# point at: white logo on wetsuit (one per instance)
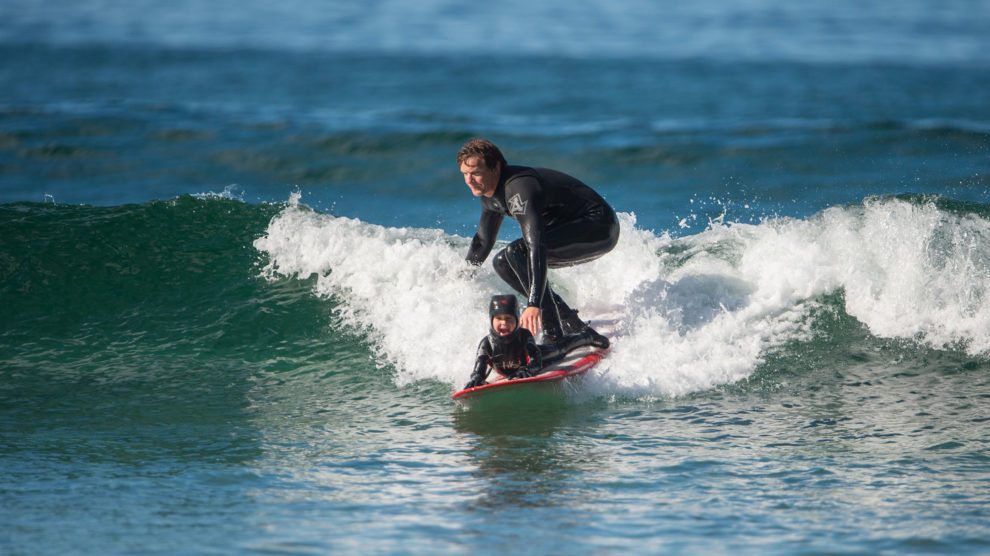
(517, 205)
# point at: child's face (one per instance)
(504, 324)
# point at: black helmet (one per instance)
(503, 305)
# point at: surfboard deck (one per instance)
(575, 363)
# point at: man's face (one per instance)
(481, 179)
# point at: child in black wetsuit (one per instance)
(509, 349)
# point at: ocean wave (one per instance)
(695, 312)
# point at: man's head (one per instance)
(481, 164)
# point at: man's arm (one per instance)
(484, 238)
(525, 197)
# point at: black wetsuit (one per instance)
(564, 222)
(515, 356)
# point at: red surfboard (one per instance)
(575, 363)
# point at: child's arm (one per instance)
(482, 364)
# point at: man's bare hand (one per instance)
(531, 320)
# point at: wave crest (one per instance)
(693, 312)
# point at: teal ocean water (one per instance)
(234, 306)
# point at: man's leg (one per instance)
(512, 265)
(577, 242)
(559, 320)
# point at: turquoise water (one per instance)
(233, 303)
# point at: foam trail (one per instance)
(693, 312)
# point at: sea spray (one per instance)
(692, 313)
(912, 270)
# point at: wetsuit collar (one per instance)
(500, 188)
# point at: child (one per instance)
(509, 349)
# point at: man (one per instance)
(563, 221)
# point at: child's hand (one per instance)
(525, 372)
(474, 382)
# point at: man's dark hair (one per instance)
(484, 149)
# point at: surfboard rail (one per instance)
(576, 363)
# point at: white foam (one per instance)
(424, 304)
(693, 312)
(914, 271)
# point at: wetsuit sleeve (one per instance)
(526, 200)
(484, 238)
(482, 364)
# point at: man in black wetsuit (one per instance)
(564, 222)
